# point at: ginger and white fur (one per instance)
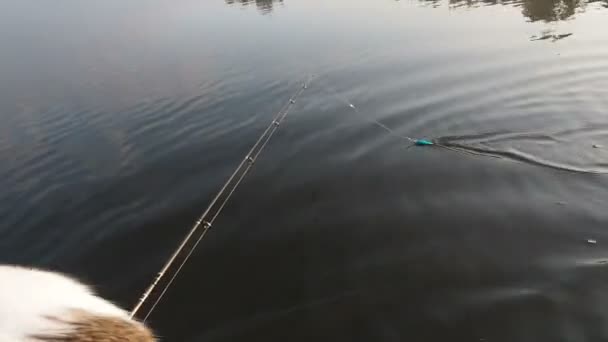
(42, 306)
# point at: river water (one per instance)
(120, 120)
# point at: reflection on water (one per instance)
(265, 6)
(533, 10)
(551, 10)
(549, 35)
(547, 11)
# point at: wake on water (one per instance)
(478, 144)
(515, 155)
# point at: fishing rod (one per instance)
(213, 210)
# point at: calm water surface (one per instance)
(119, 121)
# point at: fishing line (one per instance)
(344, 100)
(460, 148)
(413, 141)
(214, 209)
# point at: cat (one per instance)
(44, 306)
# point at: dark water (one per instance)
(119, 121)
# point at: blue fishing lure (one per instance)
(423, 142)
